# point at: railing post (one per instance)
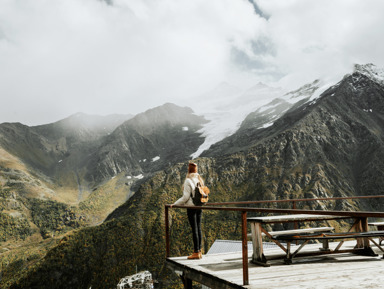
(295, 224)
(167, 247)
(245, 247)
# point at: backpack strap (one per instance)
(192, 188)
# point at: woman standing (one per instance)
(194, 215)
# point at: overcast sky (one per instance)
(59, 57)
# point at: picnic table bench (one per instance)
(379, 226)
(325, 237)
(322, 234)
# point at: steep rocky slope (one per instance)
(341, 134)
(44, 147)
(148, 142)
(38, 181)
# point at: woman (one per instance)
(194, 215)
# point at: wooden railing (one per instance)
(245, 210)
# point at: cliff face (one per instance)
(335, 141)
(148, 142)
(98, 148)
(43, 146)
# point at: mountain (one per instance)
(43, 168)
(82, 127)
(43, 147)
(93, 161)
(228, 113)
(330, 144)
(55, 154)
(83, 151)
(38, 193)
(339, 135)
(256, 108)
(148, 142)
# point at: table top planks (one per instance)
(292, 218)
(376, 224)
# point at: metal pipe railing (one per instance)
(295, 200)
(244, 242)
(244, 210)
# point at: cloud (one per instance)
(68, 56)
(318, 38)
(125, 56)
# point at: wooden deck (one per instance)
(343, 270)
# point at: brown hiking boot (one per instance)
(195, 256)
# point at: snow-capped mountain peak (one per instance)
(267, 104)
(372, 71)
(305, 91)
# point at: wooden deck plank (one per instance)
(321, 274)
(326, 271)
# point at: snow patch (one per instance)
(372, 71)
(305, 91)
(139, 177)
(155, 159)
(267, 125)
(185, 128)
(226, 119)
(311, 91)
(266, 107)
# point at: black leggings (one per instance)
(194, 218)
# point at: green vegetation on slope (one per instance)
(105, 198)
(13, 224)
(17, 258)
(133, 235)
(54, 218)
(10, 227)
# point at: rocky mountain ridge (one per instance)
(89, 162)
(148, 142)
(99, 148)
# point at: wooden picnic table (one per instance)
(257, 232)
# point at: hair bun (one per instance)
(192, 168)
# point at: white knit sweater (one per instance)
(189, 191)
